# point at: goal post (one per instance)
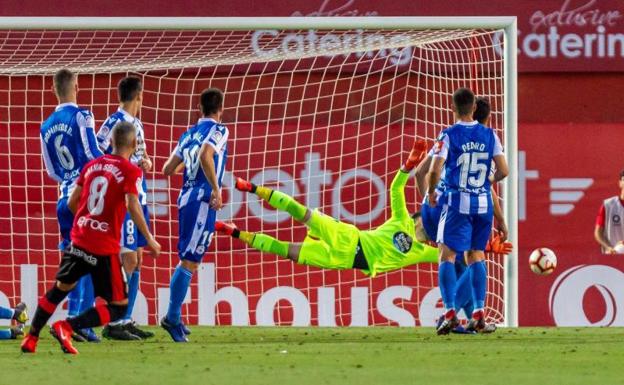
(322, 107)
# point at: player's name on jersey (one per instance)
(111, 168)
(473, 146)
(59, 127)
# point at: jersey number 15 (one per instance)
(472, 163)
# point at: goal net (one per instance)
(325, 115)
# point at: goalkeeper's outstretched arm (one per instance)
(397, 188)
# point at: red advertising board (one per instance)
(563, 182)
(554, 35)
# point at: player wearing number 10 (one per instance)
(68, 142)
(202, 152)
(465, 151)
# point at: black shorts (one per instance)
(108, 278)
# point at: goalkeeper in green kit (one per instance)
(331, 244)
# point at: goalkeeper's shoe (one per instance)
(17, 331)
(449, 323)
(477, 322)
(20, 313)
(244, 185)
(119, 333)
(132, 328)
(225, 228)
(85, 335)
(175, 331)
(62, 331)
(29, 343)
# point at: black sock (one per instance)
(97, 316)
(253, 187)
(46, 307)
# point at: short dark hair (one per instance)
(128, 88)
(482, 112)
(123, 134)
(63, 81)
(621, 174)
(211, 101)
(463, 100)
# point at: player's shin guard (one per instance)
(269, 244)
(133, 290)
(180, 281)
(478, 280)
(98, 315)
(46, 307)
(447, 281)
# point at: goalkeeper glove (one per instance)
(418, 153)
(497, 245)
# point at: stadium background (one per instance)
(570, 127)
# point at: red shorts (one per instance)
(109, 281)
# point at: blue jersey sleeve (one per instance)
(217, 138)
(104, 135)
(86, 124)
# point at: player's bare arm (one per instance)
(502, 169)
(136, 213)
(173, 165)
(601, 238)
(433, 177)
(74, 199)
(206, 158)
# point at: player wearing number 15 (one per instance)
(105, 188)
(465, 151)
(202, 152)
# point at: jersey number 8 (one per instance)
(97, 190)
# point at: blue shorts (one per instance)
(131, 237)
(461, 232)
(65, 221)
(196, 228)
(430, 219)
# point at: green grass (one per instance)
(230, 355)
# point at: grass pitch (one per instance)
(231, 355)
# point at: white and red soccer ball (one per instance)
(543, 261)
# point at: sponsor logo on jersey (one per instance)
(217, 136)
(616, 219)
(402, 242)
(93, 224)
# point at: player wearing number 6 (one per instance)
(202, 152)
(105, 188)
(465, 151)
(68, 142)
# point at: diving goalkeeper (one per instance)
(331, 244)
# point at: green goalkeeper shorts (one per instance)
(329, 244)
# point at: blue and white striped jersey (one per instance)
(67, 144)
(104, 136)
(468, 149)
(196, 186)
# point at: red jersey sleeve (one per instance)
(600, 219)
(133, 180)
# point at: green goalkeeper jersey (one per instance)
(393, 245)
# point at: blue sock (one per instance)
(180, 281)
(133, 289)
(446, 281)
(463, 292)
(88, 295)
(6, 313)
(74, 299)
(478, 279)
(5, 334)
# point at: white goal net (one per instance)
(324, 115)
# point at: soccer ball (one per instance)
(543, 261)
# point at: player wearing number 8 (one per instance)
(202, 153)
(465, 151)
(105, 188)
